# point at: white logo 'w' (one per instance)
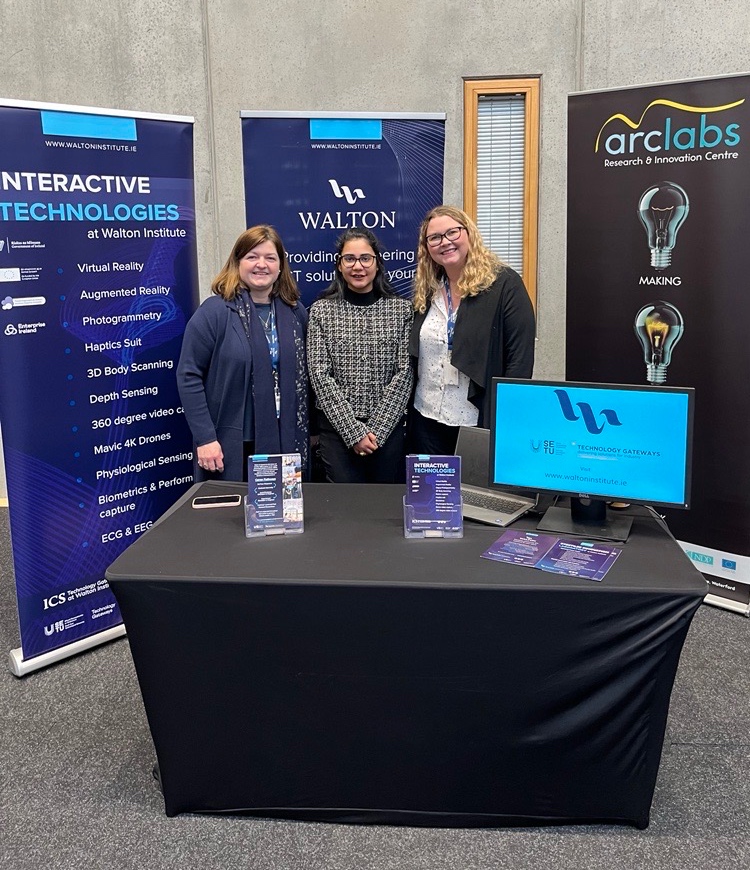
(344, 191)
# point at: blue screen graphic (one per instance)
(609, 442)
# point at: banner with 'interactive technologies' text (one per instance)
(658, 205)
(313, 175)
(97, 280)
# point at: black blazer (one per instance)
(493, 338)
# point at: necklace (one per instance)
(266, 321)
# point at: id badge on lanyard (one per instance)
(277, 392)
(272, 337)
(450, 372)
(451, 326)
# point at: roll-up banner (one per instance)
(658, 263)
(314, 174)
(97, 279)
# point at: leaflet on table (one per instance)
(274, 499)
(433, 492)
(548, 553)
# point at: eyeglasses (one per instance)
(365, 259)
(434, 239)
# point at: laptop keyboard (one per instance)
(497, 503)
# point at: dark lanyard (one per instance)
(272, 338)
(451, 315)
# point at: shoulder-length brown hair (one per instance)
(479, 271)
(227, 283)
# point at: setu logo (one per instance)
(344, 192)
(587, 414)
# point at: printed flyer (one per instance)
(586, 559)
(274, 497)
(433, 494)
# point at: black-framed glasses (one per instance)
(434, 239)
(365, 259)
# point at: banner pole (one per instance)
(727, 604)
(20, 668)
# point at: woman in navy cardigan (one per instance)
(242, 374)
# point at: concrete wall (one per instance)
(212, 58)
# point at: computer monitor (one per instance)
(595, 443)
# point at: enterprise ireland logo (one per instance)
(589, 418)
(694, 135)
(344, 192)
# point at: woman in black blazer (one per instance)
(473, 321)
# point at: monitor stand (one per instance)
(586, 518)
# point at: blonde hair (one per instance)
(227, 283)
(479, 271)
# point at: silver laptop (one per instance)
(481, 503)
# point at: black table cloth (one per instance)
(351, 674)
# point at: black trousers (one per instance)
(428, 436)
(386, 465)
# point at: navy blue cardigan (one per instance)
(214, 380)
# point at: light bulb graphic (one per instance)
(662, 209)
(659, 326)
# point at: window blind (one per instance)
(501, 142)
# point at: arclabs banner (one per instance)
(97, 280)
(313, 175)
(658, 263)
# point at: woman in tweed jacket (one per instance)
(358, 359)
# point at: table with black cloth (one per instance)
(350, 674)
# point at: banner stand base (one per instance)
(727, 604)
(19, 668)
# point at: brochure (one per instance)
(590, 560)
(274, 497)
(432, 503)
(520, 548)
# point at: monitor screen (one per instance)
(608, 442)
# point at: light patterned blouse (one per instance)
(442, 390)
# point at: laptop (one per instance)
(481, 503)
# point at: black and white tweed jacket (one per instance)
(358, 359)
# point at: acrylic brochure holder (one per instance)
(451, 526)
(274, 503)
(433, 507)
